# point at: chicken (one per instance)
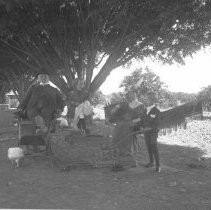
(15, 154)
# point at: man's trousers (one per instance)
(152, 147)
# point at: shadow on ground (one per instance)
(183, 156)
(184, 183)
(178, 186)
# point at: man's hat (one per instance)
(43, 77)
(41, 73)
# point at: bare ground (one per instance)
(184, 182)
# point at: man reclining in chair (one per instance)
(41, 103)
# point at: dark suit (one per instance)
(42, 100)
(152, 135)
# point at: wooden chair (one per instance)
(27, 135)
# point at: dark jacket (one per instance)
(151, 122)
(42, 97)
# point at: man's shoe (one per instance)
(148, 165)
(158, 169)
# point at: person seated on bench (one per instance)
(41, 103)
(82, 112)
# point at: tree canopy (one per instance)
(18, 81)
(205, 96)
(143, 81)
(70, 39)
(205, 93)
(14, 75)
(98, 98)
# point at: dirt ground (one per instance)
(184, 182)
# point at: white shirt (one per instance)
(43, 84)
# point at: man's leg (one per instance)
(47, 116)
(82, 125)
(79, 124)
(147, 138)
(34, 116)
(155, 151)
(39, 121)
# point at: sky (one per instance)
(189, 78)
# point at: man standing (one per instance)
(82, 112)
(128, 115)
(150, 122)
(41, 103)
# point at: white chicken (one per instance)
(15, 154)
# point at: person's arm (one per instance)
(140, 131)
(60, 101)
(24, 102)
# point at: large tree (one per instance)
(143, 81)
(71, 38)
(18, 81)
(4, 88)
(14, 75)
(170, 99)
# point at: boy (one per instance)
(150, 124)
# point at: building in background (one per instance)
(12, 100)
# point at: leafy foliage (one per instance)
(71, 38)
(150, 82)
(98, 98)
(143, 81)
(205, 95)
(172, 99)
(3, 90)
(17, 79)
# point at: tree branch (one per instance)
(101, 59)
